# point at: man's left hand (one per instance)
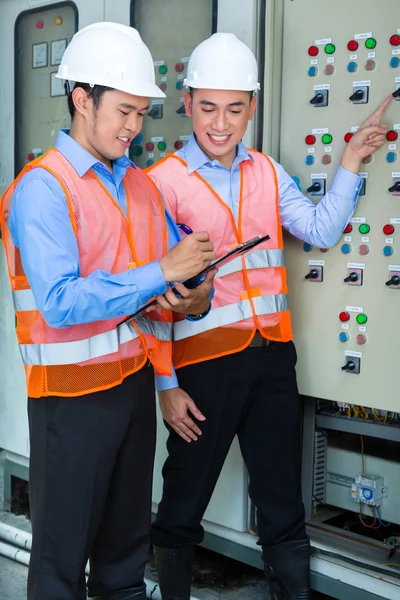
(193, 302)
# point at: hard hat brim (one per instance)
(148, 90)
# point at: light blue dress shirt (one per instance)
(41, 228)
(320, 225)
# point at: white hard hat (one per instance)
(222, 62)
(112, 55)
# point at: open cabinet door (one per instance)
(33, 107)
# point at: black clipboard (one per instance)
(239, 250)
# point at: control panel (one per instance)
(337, 68)
(41, 106)
(166, 128)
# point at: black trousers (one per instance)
(252, 394)
(91, 471)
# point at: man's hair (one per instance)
(95, 93)
(192, 90)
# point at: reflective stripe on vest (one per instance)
(230, 314)
(24, 300)
(69, 353)
(259, 259)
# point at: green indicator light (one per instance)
(370, 43)
(330, 48)
(161, 146)
(362, 319)
(163, 69)
(364, 228)
(137, 150)
(327, 138)
(39, 154)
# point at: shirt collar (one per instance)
(196, 158)
(80, 158)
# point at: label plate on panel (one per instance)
(356, 266)
(316, 263)
(353, 353)
(323, 41)
(319, 176)
(323, 86)
(358, 220)
(357, 309)
(362, 83)
(363, 36)
(321, 130)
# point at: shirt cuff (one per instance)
(163, 382)
(346, 184)
(149, 281)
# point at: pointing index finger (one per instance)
(377, 115)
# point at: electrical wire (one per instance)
(380, 520)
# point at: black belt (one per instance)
(259, 341)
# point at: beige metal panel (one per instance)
(316, 306)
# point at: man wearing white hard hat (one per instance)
(88, 243)
(236, 367)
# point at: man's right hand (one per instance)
(175, 404)
(188, 257)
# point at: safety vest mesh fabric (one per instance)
(84, 358)
(250, 293)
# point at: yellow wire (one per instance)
(390, 565)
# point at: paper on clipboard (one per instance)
(240, 250)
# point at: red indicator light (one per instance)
(388, 229)
(392, 135)
(352, 45)
(313, 51)
(344, 317)
(348, 137)
(310, 140)
(348, 228)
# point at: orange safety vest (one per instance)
(251, 292)
(85, 358)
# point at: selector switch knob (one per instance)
(318, 99)
(316, 187)
(353, 277)
(313, 274)
(357, 96)
(395, 280)
(349, 366)
(395, 187)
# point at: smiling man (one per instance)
(236, 367)
(87, 243)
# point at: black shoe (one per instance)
(287, 569)
(136, 593)
(174, 569)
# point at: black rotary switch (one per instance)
(395, 280)
(353, 277)
(315, 187)
(357, 96)
(318, 99)
(349, 366)
(313, 274)
(395, 187)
